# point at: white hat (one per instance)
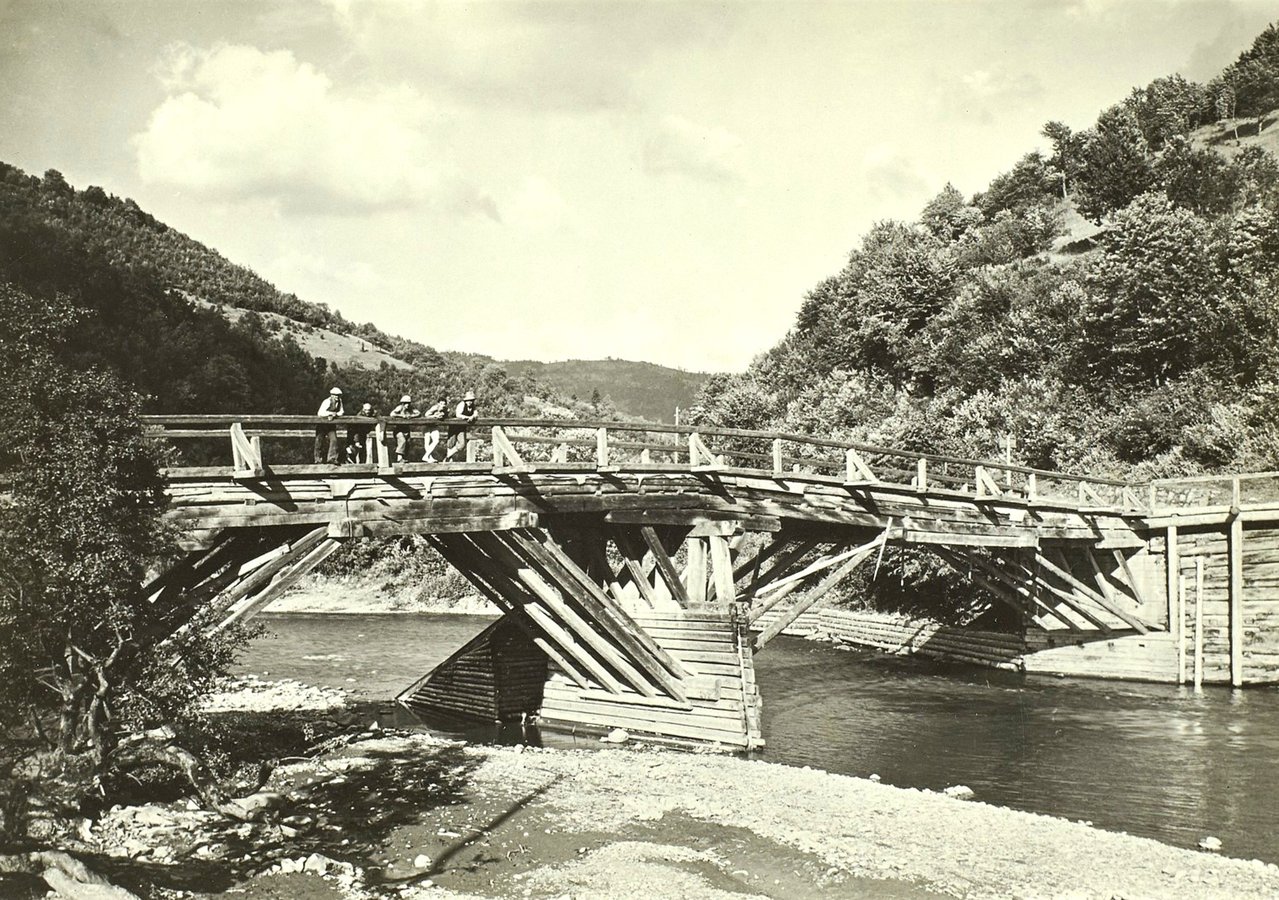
(470, 395)
(337, 392)
(406, 399)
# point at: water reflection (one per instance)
(1153, 760)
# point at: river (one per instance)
(1152, 760)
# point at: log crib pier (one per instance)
(639, 567)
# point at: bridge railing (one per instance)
(250, 446)
(1213, 492)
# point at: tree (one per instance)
(1153, 310)
(1197, 179)
(80, 527)
(1166, 108)
(1115, 164)
(1065, 160)
(947, 215)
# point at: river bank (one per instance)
(353, 810)
(371, 595)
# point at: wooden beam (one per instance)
(1005, 595)
(251, 606)
(783, 621)
(624, 630)
(1000, 576)
(795, 552)
(695, 570)
(458, 557)
(506, 461)
(817, 565)
(722, 570)
(665, 567)
(1071, 601)
(575, 637)
(1092, 594)
(1234, 543)
(634, 561)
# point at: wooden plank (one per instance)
(665, 568)
(253, 605)
(695, 572)
(776, 628)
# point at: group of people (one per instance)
(328, 448)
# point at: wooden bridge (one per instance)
(640, 566)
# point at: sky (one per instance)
(659, 181)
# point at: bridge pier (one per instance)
(622, 642)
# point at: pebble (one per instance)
(422, 861)
(959, 792)
(1210, 843)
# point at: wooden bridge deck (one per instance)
(580, 531)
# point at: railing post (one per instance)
(1032, 486)
(646, 456)
(1154, 496)
(601, 447)
(979, 480)
(383, 452)
(498, 462)
(777, 456)
(1235, 493)
(693, 459)
(472, 451)
(921, 474)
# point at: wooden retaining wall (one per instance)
(1127, 657)
(724, 695)
(1226, 589)
(496, 676)
(1132, 657)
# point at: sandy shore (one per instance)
(364, 596)
(371, 813)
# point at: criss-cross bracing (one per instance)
(639, 567)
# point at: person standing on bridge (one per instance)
(466, 414)
(438, 412)
(357, 436)
(326, 436)
(403, 410)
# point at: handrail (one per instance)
(226, 420)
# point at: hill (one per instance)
(640, 389)
(194, 332)
(1109, 308)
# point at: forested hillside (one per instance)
(641, 389)
(155, 307)
(1148, 349)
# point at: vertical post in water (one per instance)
(1199, 623)
(1172, 561)
(1180, 630)
(1236, 601)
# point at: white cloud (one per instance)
(699, 151)
(537, 205)
(986, 93)
(890, 175)
(241, 123)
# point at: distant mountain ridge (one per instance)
(642, 389)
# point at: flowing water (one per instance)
(1153, 760)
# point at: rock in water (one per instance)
(616, 736)
(421, 861)
(1210, 843)
(959, 792)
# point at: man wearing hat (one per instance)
(326, 436)
(403, 410)
(466, 414)
(357, 436)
